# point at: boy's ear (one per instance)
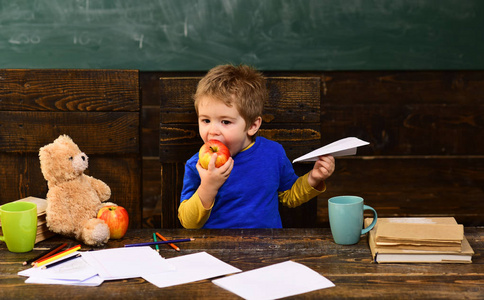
(254, 127)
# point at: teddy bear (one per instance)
(73, 198)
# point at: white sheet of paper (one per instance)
(273, 282)
(77, 269)
(129, 262)
(343, 147)
(189, 268)
(33, 270)
(93, 281)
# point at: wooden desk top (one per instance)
(348, 267)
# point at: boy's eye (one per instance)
(225, 122)
(206, 121)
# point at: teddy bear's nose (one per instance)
(83, 158)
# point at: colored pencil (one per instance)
(171, 244)
(45, 254)
(57, 256)
(154, 240)
(158, 243)
(61, 261)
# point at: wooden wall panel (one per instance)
(408, 186)
(402, 87)
(418, 129)
(179, 142)
(406, 113)
(20, 176)
(426, 133)
(150, 147)
(421, 125)
(69, 90)
(122, 172)
(171, 186)
(425, 128)
(292, 99)
(99, 109)
(95, 132)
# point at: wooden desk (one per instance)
(348, 267)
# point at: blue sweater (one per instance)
(249, 197)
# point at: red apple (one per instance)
(211, 147)
(117, 219)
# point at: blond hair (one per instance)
(242, 86)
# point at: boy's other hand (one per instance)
(323, 168)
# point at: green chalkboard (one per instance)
(269, 34)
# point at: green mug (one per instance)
(346, 219)
(19, 225)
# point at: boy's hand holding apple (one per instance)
(214, 167)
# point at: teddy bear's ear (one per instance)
(63, 139)
(44, 151)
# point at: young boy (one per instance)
(245, 191)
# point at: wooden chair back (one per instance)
(291, 117)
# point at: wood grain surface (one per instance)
(350, 268)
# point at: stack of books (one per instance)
(418, 240)
(42, 231)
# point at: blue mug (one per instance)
(346, 219)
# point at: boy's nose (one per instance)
(214, 130)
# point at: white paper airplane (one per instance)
(343, 147)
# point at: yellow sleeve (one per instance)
(192, 214)
(300, 192)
